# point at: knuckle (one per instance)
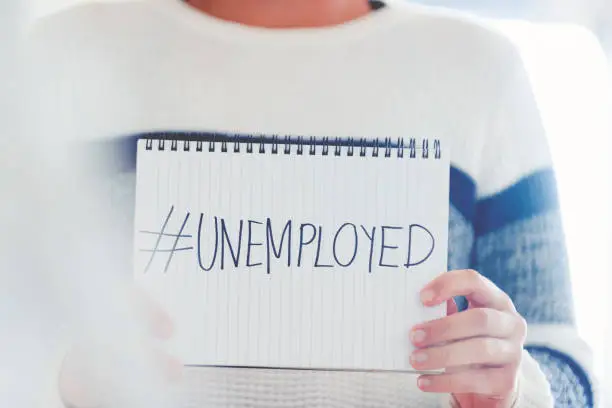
(521, 326)
(490, 347)
(507, 300)
(506, 382)
(441, 356)
(441, 331)
(506, 350)
(483, 318)
(456, 382)
(473, 275)
(484, 383)
(518, 355)
(512, 353)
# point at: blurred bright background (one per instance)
(567, 46)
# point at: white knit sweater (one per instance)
(119, 69)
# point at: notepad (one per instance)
(291, 252)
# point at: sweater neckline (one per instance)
(205, 24)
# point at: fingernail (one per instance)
(419, 357)
(424, 383)
(427, 296)
(418, 336)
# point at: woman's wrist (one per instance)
(453, 403)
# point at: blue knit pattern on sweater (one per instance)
(515, 238)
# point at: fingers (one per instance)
(480, 349)
(158, 322)
(493, 382)
(451, 307)
(160, 325)
(79, 382)
(171, 367)
(480, 322)
(91, 371)
(472, 352)
(480, 291)
(91, 374)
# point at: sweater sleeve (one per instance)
(519, 240)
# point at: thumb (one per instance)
(171, 367)
(158, 322)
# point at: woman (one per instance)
(350, 67)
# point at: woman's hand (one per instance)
(480, 348)
(94, 372)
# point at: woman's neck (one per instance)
(284, 13)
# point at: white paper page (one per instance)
(280, 259)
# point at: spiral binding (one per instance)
(421, 148)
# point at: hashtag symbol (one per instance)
(162, 234)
